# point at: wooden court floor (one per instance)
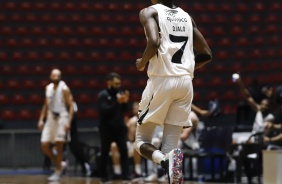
(42, 179)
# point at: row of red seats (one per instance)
(112, 7)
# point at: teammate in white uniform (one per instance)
(58, 111)
(172, 37)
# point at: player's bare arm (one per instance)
(200, 111)
(249, 98)
(204, 54)
(69, 103)
(186, 133)
(148, 18)
(43, 114)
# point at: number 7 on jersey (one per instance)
(176, 58)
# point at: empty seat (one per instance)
(224, 42)
(33, 56)
(242, 7)
(18, 99)
(101, 70)
(198, 82)
(4, 99)
(135, 96)
(222, 55)
(76, 84)
(83, 98)
(28, 84)
(211, 95)
(118, 69)
(7, 70)
(229, 95)
(237, 18)
(216, 82)
(93, 84)
(71, 70)
(13, 84)
(254, 18)
(218, 68)
(236, 30)
(242, 42)
(23, 70)
(24, 115)
(90, 113)
(258, 7)
(36, 99)
(218, 31)
(7, 115)
(86, 70)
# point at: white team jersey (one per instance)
(175, 56)
(55, 98)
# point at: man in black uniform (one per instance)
(112, 103)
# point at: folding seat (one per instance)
(101, 69)
(253, 30)
(242, 42)
(236, 67)
(229, 95)
(46, 18)
(259, 41)
(23, 70)
(57, 42)
(42, 42)
(112, 31)
(125, 31)
(198, 82)
(226, 8)
(93, 84)
(66, 30)
(12, 84)
(118, 69)
(3, 56)
(86, 70)
(141, 83)
(221, 55)
(4, 99)
(219, 68)
(255, 54)
(80, 56)
(8, 115)
(275, 6)
(211, 95)
(204, 19)
(84, 6)
(11, 42)
(135, 96)
(218, 31)
(3, 17)
(229, 109)
(10, 5)
(139, 6)
(216, 82)
(21, 30)
(31, 17)
(272, 18)
(139, 31)
(61, 18)
(102, 42)
(91, 19)
(36, 30)
(43, 83)
(224, 42)
(236, 30)
(24, 114)
(55, 6)
(126, 7)
(126, 56)
(270, 29)
(6, 70)
(105, 19)
(74, 42)
(201, 70)
(211, 8)
(5, 30)
(70, 6)
(18, 99)
(110, 56)
(242, 7)
(258, 7)
(254, 18)
(112, 7)
(17, 56)
(222, 19)
(15, 17)
(98, 7)
(119, 18)
(270, 53)
(71, 70)
(95, 57)
(131, 70)
(252, 67)
(237, 18)
(64, 56)
(197, 7)
(127, 84)
(33, 56)
(88, 42)
(118, 43)
(35, 99)
(28, 84)
(133, 43)
(90, 113)
(1, 85)
(39, 70)
(83, 98)
(40, 6)
(76, 84)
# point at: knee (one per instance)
(137, 145)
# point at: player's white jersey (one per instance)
(175, 55)
(55, 98)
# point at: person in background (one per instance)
(112, 104)
(58, 112)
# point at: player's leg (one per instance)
(121, 140)
(47, 137)
(115, 158)
(137, 161)
(144, 135)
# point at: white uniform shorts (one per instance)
(54, 129)
(167, 100)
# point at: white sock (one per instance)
(158, 156)
(137, 169)
(87, 166)
(117, 169)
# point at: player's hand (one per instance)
(126, 96)
(139, 65)
(266, 139)
(40, 125)
(67, 127)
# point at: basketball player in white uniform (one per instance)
(58, 111)
(172, 37)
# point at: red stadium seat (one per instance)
(83, 98)
(198, 82)
(221, 19)
(6, 70)
(224, 42)
(237, 18)
(13, 84)
(141, 83)
(229, 95)
(80, 56)
(254, 18)
(226, 8)
(270, 29)
(219, 68)
(275, 6)
(86, 70)
(258, 7)
(197, 96)
(90, 113)
(28, 84)
(43, 83)
(33, 56)
(135, 96)
(24, 115)
(252, 67)
(112, 7)
(110, 56)
(4, 99)
(35, 99)
(218, 31)
(242, 7)
(64, 56)
(118, 69)
(259, 41)
(127, 84)
(95, 56)
(126, 56)
(18, 99)
(98, 7)
(93, 84)
(212, 95)
(102, 70)
(127, 7)
(215, 82)
(236, 67)
(17, 56)
(222, 55)
(3, 56)
(253, 30)
(229, 109)
(236, 30)
(211, 7)
(23, 70)
(8, 115)
(71, 70)
(240, 54)
(76, 84)
(242, 42)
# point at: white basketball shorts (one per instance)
(54, 129)
(167, 100)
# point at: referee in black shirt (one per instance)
(112, 103)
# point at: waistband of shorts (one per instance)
(171, 76)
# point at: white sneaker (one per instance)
(54, 177)
(173, 166)
(152, 178)
(163, 179)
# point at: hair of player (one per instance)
(113, 75)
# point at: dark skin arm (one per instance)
(201, 46)
(69, 103)
(42, 115)
(148, 18)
